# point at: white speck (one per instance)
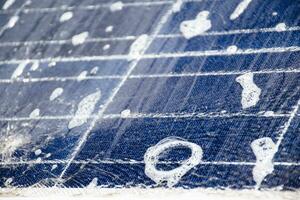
(85, 108)
(280, 27)
(138, 47)
(93, 183)
(116, 6)
(172, 177)
(56, 93)
(35, 65)
(177, 6)
(53, 167)
(82, 75)
(66, 16)
(232, 49)
(197, 26)
(38, 160)
(274, 13)
(109, 29)
(264, 150)
(8, 4)
(37, 152)
(80, 38)
(48, 155)
(51, 64)
(35, 113)
(240, 9)
(94, 70)
(269, 113)
(8, 182)
(105, 47)
(125, 113)
(250, 93)
(19, 70)
(12, 22)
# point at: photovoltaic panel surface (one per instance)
(141, 93)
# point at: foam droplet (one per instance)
(280, 27)
(56, 93)
(197, 26)
(66, 16)
(84, 110)
(35, 113)
(116, 6)
(80, 38)
(138, 47)
(8, 4)
(250, 93)
(264, 149)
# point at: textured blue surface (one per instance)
(193, 97)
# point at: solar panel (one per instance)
(140, 93)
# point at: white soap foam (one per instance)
(105, 47)
(37, 152)
(19, 70)
(172, 177)
(116, 6)
(250, 93)
(82, 75)
(280, 27)
(197, 26)
(125, 113)
(8, 4)
(12, 21)
(53, 167)
(51, 64)
(8, 182)
(177, 6)
(232, 49)
(66, 16)
(10, 143)
(80, 38)
(38, 160)
(48, 155)
(93, 183)
(274, 13)
(138, 47)
(84, 110)
(269, 113)
(35, 113)
(264, 149)
(109, 29)
(242, 6)
(35, 65)
(94, 70)
(56, 93)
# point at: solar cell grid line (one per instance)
(101, 39)
(293, 114)
(160, 55)
(163, 20)
(152, 115)
(165, 36)
(132, 162)
(139, 76)
(101, 5)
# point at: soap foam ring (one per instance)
(173, 176)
